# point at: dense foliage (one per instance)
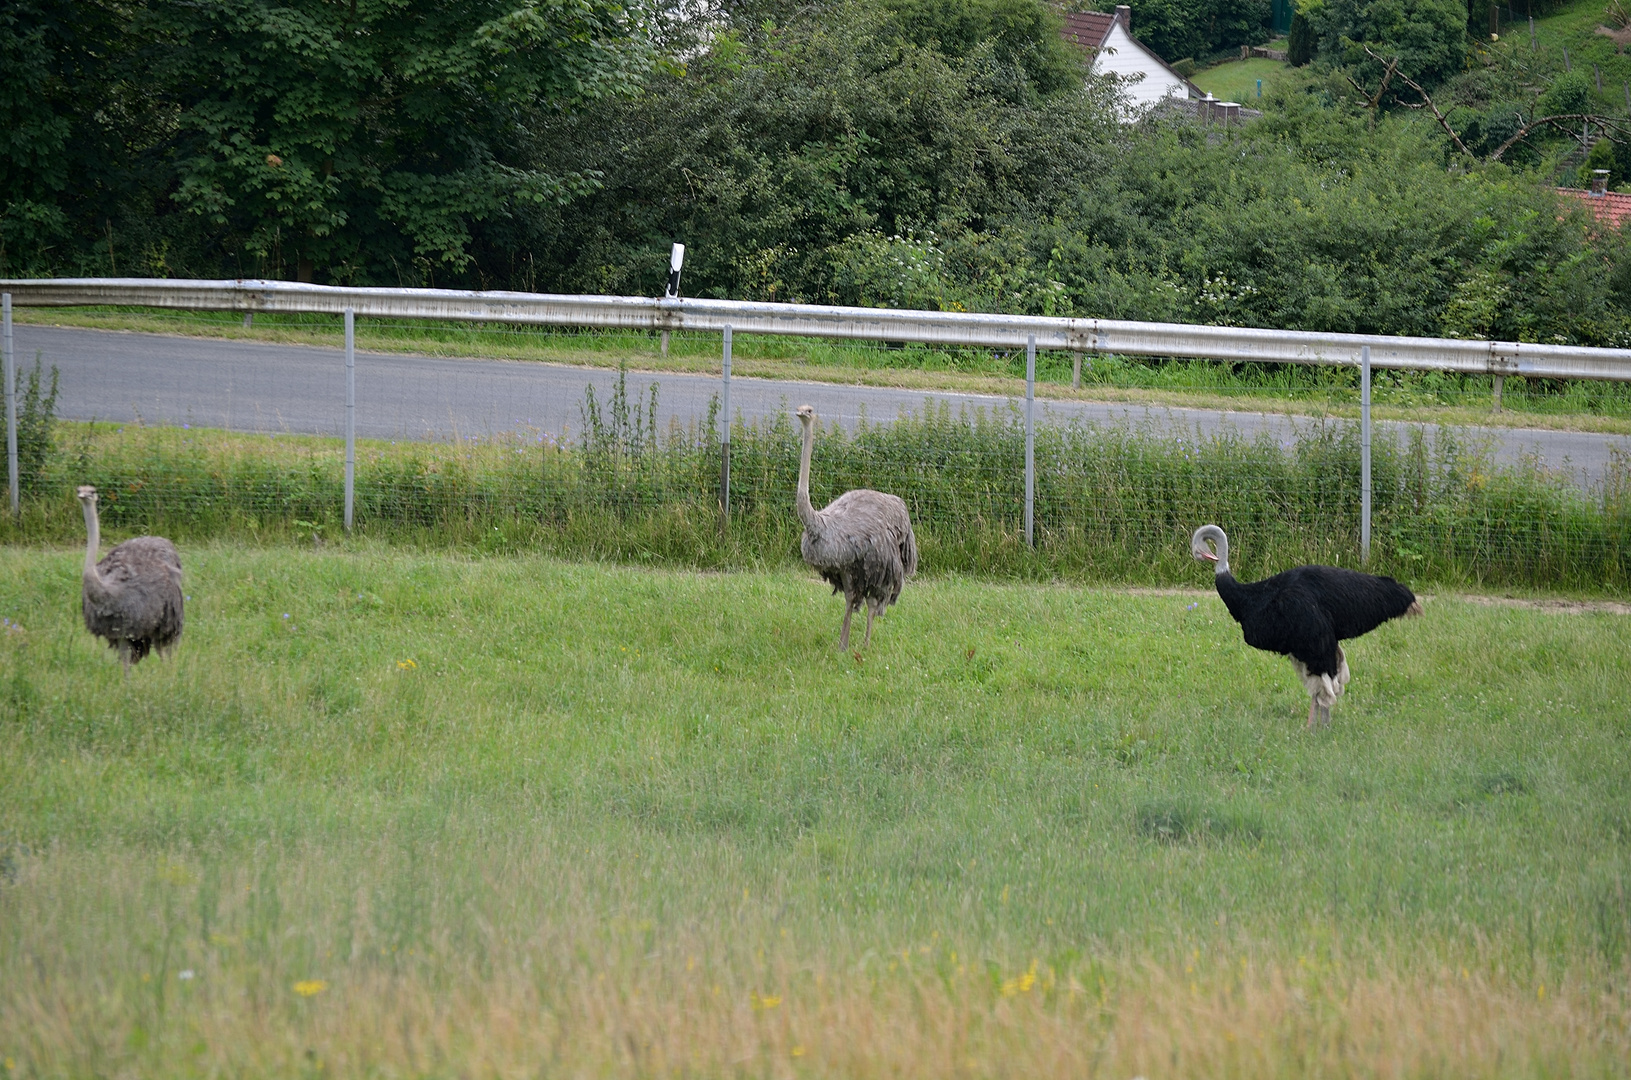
(1198, 28)
(897, 152)
(367, 140)
(1429, 36)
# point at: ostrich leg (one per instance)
(1313, 711)
(866, 641)
(843, 635)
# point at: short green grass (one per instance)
(410, 814)
(1237, 79)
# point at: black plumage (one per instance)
(1305, 613)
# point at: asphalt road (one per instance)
(245, 386)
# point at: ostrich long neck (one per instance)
(93, 579)
(1223, 554)
(806, 512)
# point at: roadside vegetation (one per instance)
(1112, 503)
(386, 810)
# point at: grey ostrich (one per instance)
(862, 542)
(132, 598)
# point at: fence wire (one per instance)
(609, 468)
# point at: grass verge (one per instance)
(1111, 504)
(419, 815)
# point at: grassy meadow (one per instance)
(418, 814)
(1237, 80)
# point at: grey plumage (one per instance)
(132, 598)
(861, 542)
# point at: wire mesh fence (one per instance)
(592, 462)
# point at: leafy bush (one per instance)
(36, 423)
(1429, 37)
(1199, 27)
(1301, 42)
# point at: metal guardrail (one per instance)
(1080, 336)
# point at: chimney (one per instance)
(1124, 16)
(1599, 182)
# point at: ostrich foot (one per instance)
(1325, 716)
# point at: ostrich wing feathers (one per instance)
(862, 543)
(140, 607)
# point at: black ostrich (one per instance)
(1304, 613)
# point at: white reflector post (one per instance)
(676, 260)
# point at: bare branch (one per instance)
(1428, 101)
(1607, 123)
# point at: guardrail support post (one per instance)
(1500, 384)
(725, 442)
(350, 412)
(1076, 371)
(11, 402)
(1364, 455)
(1030, 441)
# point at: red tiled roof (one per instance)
(1088, 28)
(1611, 209)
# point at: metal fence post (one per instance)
(725, 441)
(1364, 455)
(11, 403)
(1030, 441)
(350, 412)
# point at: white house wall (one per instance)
(1121, 55)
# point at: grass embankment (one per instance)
(1424, 397)
(1112, 504)
(1237, 80)
(414, 815)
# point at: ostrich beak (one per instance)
(1209, 556)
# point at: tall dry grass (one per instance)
(199, 972)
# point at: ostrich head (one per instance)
(87, 495)
(805, 413)
(1209, 544)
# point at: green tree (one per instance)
(1602, 156)
(1199, 28)
(1300, 43)
(369, 140)
(1429, 37)
(61, 124)
(778, 146)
